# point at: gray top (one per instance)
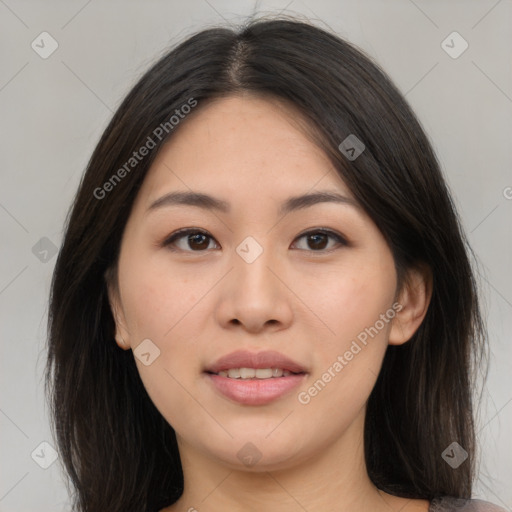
(449, 504)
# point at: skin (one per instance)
(305, 302)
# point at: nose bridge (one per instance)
(252, 261)
(254, 296)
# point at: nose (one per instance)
(255, 296)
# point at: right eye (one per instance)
(191, 240)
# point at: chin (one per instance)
(259, 452)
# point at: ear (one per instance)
(122, 336)
(414, 299)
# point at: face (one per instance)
(304, 291)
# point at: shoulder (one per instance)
(451, 504)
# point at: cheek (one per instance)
(352, 299)
(166, 309)
(349, 358)
(169, 307)
(157, 296)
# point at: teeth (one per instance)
(247, 373)
(263, 373)
(251, 373)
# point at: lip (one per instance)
(255, 391)
(246, 359)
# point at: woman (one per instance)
(263, 300)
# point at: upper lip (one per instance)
(246, 359)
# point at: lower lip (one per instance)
(255, 391)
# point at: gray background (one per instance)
(53, 111)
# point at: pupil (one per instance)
(198, 237)
(315, 238)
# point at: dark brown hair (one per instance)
(118, 450)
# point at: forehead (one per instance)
(241, 143)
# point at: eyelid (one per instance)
(180, 233)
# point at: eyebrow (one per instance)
(208, 202)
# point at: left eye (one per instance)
(198, 240)
(320, 238)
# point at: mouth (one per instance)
(242, 364)
(255, 373)
(255, 378)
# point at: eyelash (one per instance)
(182, 233)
